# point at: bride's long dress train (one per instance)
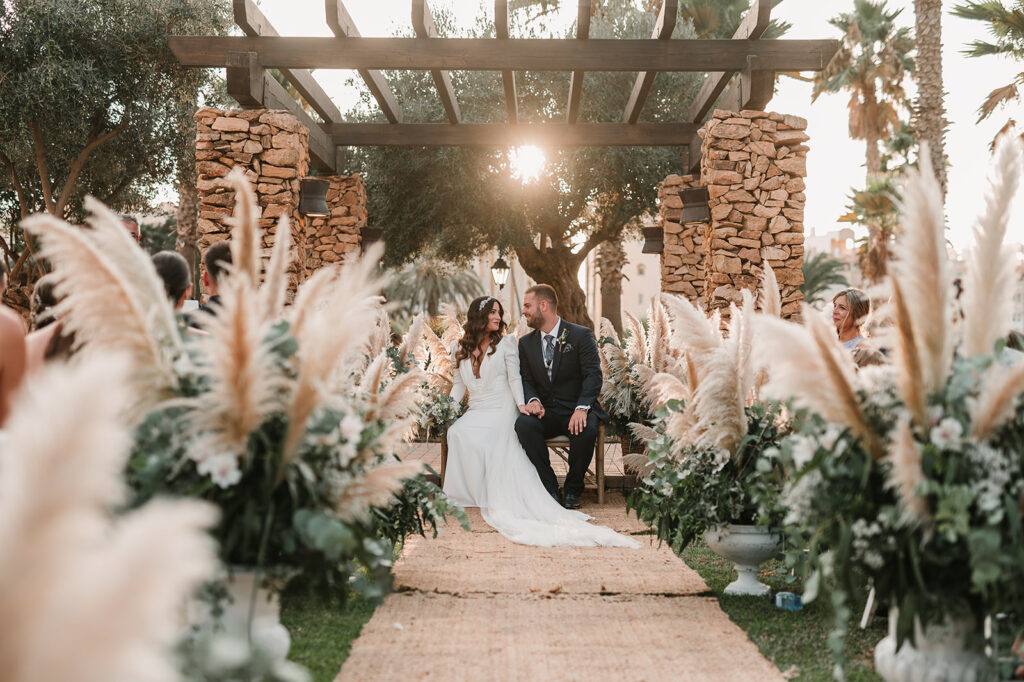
(488, 468)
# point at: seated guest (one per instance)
(850, 310)
(47, 341)
(132, 225)
(174, 271)
(216, 261)
(12, 350)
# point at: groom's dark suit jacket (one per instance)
(575, 374)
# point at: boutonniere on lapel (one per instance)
(560, 342)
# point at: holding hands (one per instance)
(533, 407)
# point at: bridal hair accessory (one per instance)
(480, 306)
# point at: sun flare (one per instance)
(527, 162)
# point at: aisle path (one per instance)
(473, 606)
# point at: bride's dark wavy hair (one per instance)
(475, 328)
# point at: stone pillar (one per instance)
(753, 164)
(331, 239)
(271, 147)
(682, 261)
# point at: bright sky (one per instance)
(835, 162)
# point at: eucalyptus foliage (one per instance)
(683, 496)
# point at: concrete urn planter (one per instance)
(946, 652)
(747, 547)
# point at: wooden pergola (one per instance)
(740, 75)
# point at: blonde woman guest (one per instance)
(850, 310)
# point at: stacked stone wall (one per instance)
(754, 164)
(331, 239)
(272, 147)
(682, 260)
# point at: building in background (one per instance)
(641, 281)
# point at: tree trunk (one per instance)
(611, 259)
(873, 157)
(930, 111)
(559, 267)
(187, 216)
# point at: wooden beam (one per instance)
(583, 11)
(245, 80)
(505, 135)
(254, 88)
(508, 77)
(484, 54)
(645, 79)
(751, 28)
(341, 24)
(253, 23)
(423, 24)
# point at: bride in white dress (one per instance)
(487, 467)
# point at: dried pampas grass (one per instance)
(807, 364)
(921, 271)
(692, 329)
(376, 488)
(989, 280)
(88, 599)
(112, 297)
(906, 474)
(771, 297)
(275, 287)
(244, 379)
(994, 405)
(245, 232)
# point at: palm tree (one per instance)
(872, 64)
(423, 285)
(929, 110)
(1007, 26)
(821, 273)
(876, 207)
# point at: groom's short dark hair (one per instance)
(544, 292)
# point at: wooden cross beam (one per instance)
(645, 79)
(583, 11)
(504, 135)
(423, 23)
(342, 26)
(508, 77)
(477, 54)
(252, 87)
(752, 28)
(253, 23)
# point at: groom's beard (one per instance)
(534, 321)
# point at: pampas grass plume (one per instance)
(87, 599)
(905, 473)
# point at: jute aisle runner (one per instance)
(473, 606)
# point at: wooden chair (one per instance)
(559, 446)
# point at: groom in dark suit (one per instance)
(561, 371)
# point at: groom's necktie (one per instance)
(549, 353)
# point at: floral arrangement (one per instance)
(909, 479)
(629, 363)
(707, 461)
(288, 420)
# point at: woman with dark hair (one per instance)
(487, 467)
(174, 271)
(47, 341)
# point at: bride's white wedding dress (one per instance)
(488, 468)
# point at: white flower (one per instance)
(346, 453)
(946, 436)
(804, 449)
(222, 469)
(799, 496)
(830, 440)
(351, 428)
(875, 379)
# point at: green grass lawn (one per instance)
(790, 639)
(323, 629)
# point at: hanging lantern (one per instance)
(499, 271)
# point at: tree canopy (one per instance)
(455, 202)
(93, 102)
